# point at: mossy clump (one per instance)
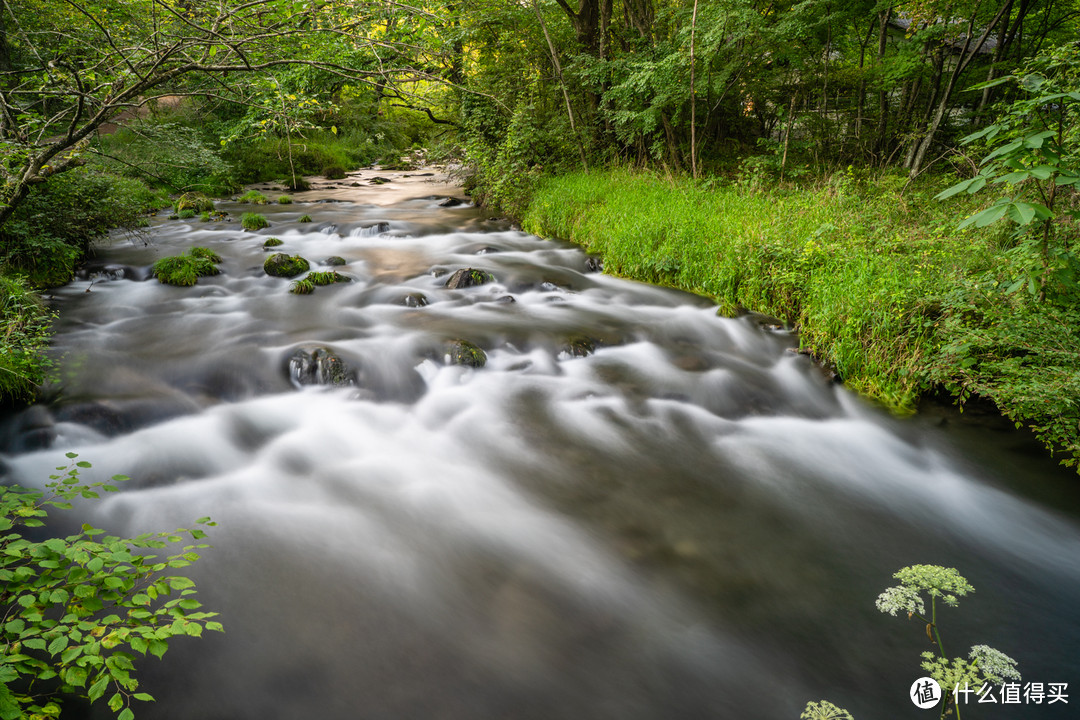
(304, 219)
(282, 265)
(254, 221)
(334, 260)
(253, 196)
(185, 270)
(174, 216)
(327, 277)
(303, 287)
(333, 172)
(463, 352)
(284, 200)
(205, 216)
(185, 214)
(273, 242)
(194, 201)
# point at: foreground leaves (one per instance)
(77, 609)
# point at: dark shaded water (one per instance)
(688, 521)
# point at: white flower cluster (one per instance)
(901, 598)
(994, 664)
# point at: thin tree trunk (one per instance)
(693, 104)
(562, 83)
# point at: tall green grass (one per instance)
(873, 275)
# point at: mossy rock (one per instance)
(286, 266)
(273, 242)
(379, 180)
(463, 352)
(335, 261)
(185, 270)
(254, 221)
(194, 201)
(319, 366)
(333, 172)
(304, 219)
(468, 277)
(326, 277)
(579, 346)
(253, 196)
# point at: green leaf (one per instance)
(145, 697)
(955, 189)
(58, 644)
(1043, 172)
(126, 714)
(98, 688)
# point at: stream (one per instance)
(635, 509)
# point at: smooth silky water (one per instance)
(688, 522)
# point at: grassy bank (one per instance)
(874, 276)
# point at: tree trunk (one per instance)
(693, 104)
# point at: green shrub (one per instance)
(185, 270)
(188, 214)
(23, 340)
(333, 172)
(304, 219)
(53, 228)
(272, 242)
(253, 196)
(284, 200)
(254, 221)
(78, 608)
(204, 216)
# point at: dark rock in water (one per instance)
(579, 347)
(463, 352)
(505, 299)
(335, 261)
(415, 300)
(451, 202)
(379, 180)
(424, 175)
(594, 264)
(318, 366)
(438, 272)
(487, 250)
(282, 265)
(550, 287)
(355, 184)
(468, 277)
(32, 429)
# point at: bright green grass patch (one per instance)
(876, 280)
(304, 219)
(253, 196)
(185, 270)
(254, 221)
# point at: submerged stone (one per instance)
(415, 300)
(319, 366)
(463, 352)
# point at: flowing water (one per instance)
(635, 509)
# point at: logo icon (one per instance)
(925, 693)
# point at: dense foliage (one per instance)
(76, 609)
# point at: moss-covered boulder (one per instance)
(327, 277)
(185, 270)
(335, 261)
(463, 352)
(286, 266)
(273, 242)
(194, 201)
(468, 277)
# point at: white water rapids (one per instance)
(687, 521)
